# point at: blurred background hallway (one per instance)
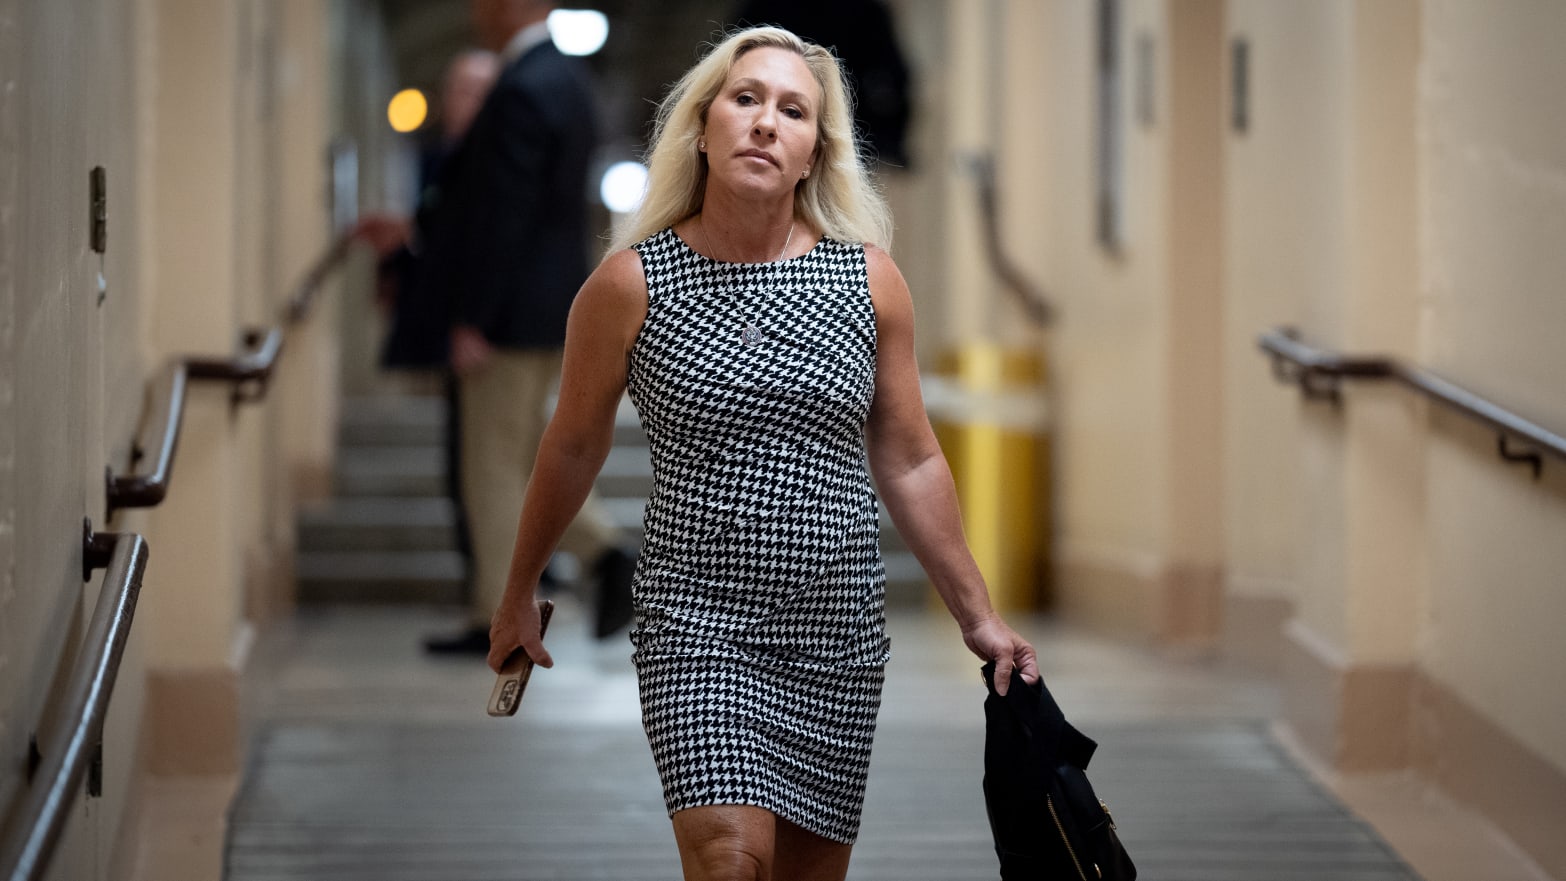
(1238, 320)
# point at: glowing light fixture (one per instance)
(407, 110)
(623, 186)
(578, 31)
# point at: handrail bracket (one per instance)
(1524, 455)
(97, 549)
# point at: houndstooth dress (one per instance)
(760, 635)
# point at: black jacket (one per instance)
(1048, 824)
(508, 240)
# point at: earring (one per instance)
(701, 144)
(806, 174)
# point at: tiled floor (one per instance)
(373, 761)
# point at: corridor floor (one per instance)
(371, 760)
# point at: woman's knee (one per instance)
(728, 859)
(725, 843)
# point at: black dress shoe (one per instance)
(472, 641)
(614, 612)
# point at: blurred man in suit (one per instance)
(419, 336)
(509, 241)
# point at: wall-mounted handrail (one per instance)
(251, 370)
(303, 298)
(160, 432)
(1028, 296)
(72, 751)
(1319, 372)
(160, 437)
(255, 365)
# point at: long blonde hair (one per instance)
(837, 198)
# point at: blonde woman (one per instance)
(766, 339)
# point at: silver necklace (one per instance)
(751, 336)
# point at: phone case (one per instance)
(506, 696)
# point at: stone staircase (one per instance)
(388, 535)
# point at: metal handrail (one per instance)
(250, 371)
(1028, 296)
(303, 298)
(74, 749)
(1319, 373)
(253, 366)
(159, 434)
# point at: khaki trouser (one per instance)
(503, 420)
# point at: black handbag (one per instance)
(1048, 823)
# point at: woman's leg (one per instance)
(802, 855)
(725, 843)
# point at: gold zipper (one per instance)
(1049, 802)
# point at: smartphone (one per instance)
(506, 696)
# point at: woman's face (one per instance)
(761, 128)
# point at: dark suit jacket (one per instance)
(1048, 823)
(420, 332)
(509, 239)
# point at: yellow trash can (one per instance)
(989, 407)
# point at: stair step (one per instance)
(389, 535)
(379, 524)
(891, 540)
(391, 471)
(421, 421)
(906, 584)
(628, 426)
(626, 513)
(381, 577)
(393, 421)
(627, 473)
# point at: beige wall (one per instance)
(1109, 348)
(1494, 182)
(206, 223)
(61, 349)
(1398, 193)
(1137, 354)
(1286, 242)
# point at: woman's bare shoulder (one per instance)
(887, 285)
(621, 275)
(615, 295)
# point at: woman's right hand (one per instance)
(516, 625)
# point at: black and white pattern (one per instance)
(760, 594)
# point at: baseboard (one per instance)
(1137, 596)
(1114, 594)
(1252, 631)
(1358, 719)
(182, 829)
(1481, 765)
(193, 721)
(312, 482)
(1190, 610)
(1354, 718)
(269, 584)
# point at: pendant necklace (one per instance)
(751, 336)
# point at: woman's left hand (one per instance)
(991, 639)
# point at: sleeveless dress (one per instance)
(760, 632)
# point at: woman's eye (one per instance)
(794, 112)
(746, 99)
